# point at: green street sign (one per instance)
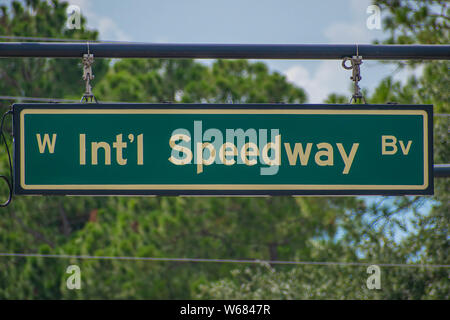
(202, 149)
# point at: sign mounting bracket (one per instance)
(355, 63)
(88, 61)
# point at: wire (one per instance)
(40, 39)
(77, 101)
(36, 99)
(10, 181)
(51, 99)
(247, 261)
(58, 39)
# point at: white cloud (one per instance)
(328, 78)
(109, 30)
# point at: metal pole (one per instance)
(230, 51)
(441, 170)
(225, 51)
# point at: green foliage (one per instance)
(420, 21)
(234, 81)
(370, 234)
(334, 98)
(36, 77)
(274, 228)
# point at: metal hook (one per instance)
(355, 63)
(88, 61)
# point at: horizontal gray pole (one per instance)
(441, 170)
(224, 51)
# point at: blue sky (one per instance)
(251, 21)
